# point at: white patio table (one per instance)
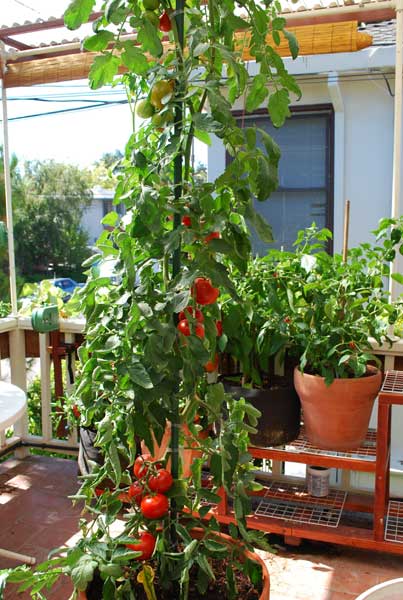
(13, 404)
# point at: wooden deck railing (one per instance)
(20, 344)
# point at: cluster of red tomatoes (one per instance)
(148, 492)
(204, 293)
(214, 235)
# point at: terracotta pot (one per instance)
(186, 453)
(198, 534)
(337, 416)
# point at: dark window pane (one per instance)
(304, 194)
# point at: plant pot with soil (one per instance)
(221, 542)
(333, 308)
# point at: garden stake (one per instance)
(346, 227)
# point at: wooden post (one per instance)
(346, 227)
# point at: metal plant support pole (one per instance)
(178, 185)
(7, 182)
(397, 205)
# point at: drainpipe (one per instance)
(336, 97)
(397, 203)
(7, 183)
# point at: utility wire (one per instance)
(66, 110)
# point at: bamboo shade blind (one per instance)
(313, 39)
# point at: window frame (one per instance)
(301, 112)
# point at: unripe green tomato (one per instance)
(152, 17)
(158, 120)
(144, 109)
(151, 4)
(169, 116)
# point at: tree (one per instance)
(16, 195)
(48, 227)
(106, 169)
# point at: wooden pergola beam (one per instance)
(313, 39)
(39, 26)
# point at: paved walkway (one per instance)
(36, 516)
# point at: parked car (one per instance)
(67, 285)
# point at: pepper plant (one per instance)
(327, 309)
(151, 338)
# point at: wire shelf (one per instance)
(393, 382)
(394, 522)
(289, 501)
(367, 451)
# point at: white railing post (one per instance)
(46, 390)
(18, 372)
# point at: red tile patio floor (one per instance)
(36, 516)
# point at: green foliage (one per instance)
(48, 217)
(37, 295)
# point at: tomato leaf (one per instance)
(292, 43)
(148, 37)
(134, 59)
(279, 107)
(103, 70)
(82, 573)
(99, 41)
(140, 376)
(78, 12)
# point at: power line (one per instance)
(66, 110)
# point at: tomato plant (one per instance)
(154, 506)
(144, 544)
(158, 382)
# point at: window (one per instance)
(305, 192)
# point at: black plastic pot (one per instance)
(281, 412)
(88, 453)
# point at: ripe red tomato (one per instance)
(214, 235)
(76, 411)
(183, 327)
(211, 365)
(165, 22)
(186, 221)
(139, 468)
(124, 497)
(198, 315)
(135, 492)
(145, 544)
(154, 507)
(204, 291)
(161, 482)
(352, 345)
(218, 325)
